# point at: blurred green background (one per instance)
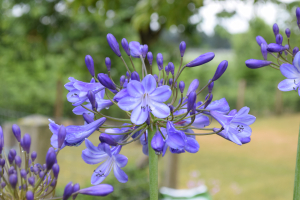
(43, 42)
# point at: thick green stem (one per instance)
(297, 173)
(153, 168)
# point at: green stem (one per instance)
(297, 173)
(153, 168)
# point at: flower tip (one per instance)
(90, 64)
(114, 45)
(220, 70)
(202, 59)
(182, 48)
(16, 131)
(125, 46)
(254, 64)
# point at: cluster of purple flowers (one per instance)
(23, 178)
(287, 58)
(151, 102)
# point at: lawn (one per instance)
(262, 169)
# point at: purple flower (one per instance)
(16, 131)
(157, 142)
(110, 158)
(97, 190)
(279, 39)
(235, 124)
(150, 57)
(114, 45)
(75, 134)
(260, 40)
(182, 48)
(275, 29)
(90, 64)
(107, 63)
(253, 63)
(288, 32)
(202, 59)
(143, 96)
(292, 73)
(193, 86)
(181, 86)
(135, 49)
(273, 47)
(113, 140)
(220, 70)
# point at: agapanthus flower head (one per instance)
(157, 142)
(29, 195)
(90, 64)
(125, 46)
(108, 63)
(167, 70)
(182, 48)
(114, 45)
(33, 156)
(202, 59)
(13, 180)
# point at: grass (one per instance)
(262, 169)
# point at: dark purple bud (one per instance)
(210, 86)
(17, 132)
(75, 188)
(29, 195)
(209, 100)
(170, 81)
(125, 46)
(264, 51)
(220, 70)
(167, 70)
(182, 48)
(253, 63)
(275, 29)
(295, 50)
(90, 64)
(122, 80)
(150, 57)
(41, 174)
(23, 174)
(114, 45)
(11, 170)
(260, 40)
(68, 191)
(87, 118)
(106, 81)
(193, 86)
(92, 99)
(191, 100)
(108, 63)
(35, 170)
(157, 142)
(171, 68)
(171, 107)
(288, 32)
(144, 50)
(53, 182)
(181, 86)
(160, 82)
(11, 156)
(13, 180)
(3, 184)
(160, 61)
(148, 118)
(33, 156)
(193, 111)
(272, 47)
(50, 160)
(18, 161)
(108, 139)
(127, 75)
(61, 135)
(279, 39)
(44, 167)
(97, 190)
(55, 170)
(1, 140)
(175, 85)
(31, 181)
(2, 162)
(156, 77)
(26, 142)
(298, 15)
(135, 76)
(202, 59)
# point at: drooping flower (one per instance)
(144, 97)
(235, 124)
(110, 158)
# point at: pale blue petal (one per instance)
(123, 93)
(296, 61)
(120, 175)
(201, 121)
(121, 160)
(135, 49)
(139, 115)
(234, 138)
(92, 158)
(161, 94)
(221, 106)
(135, 88)
(175, 139)
(245, 119)
(101, 172)
(159, 110)
(149, 83)
(287, 85)
(129, 103)
(90, 146)
(243, 111)
(79, 110)
(191, 145)
(289, 71)
(221, 118)
(103, 147)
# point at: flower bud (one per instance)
(160, 61)
(11, 170)
(170, 81)
(209, 100)
(182, 48)
(3, 184)
(68, 191)
(13, 180)
(202, 59)
(61, 135)
(295, 50)
(156, 77)
(55, 170)
(279, 39)
(167, 70)
(75, 188)
(108, 139)
(2, 162)
(31, 181)
(41, 174)
(114, 45)
(29, 195)
(150, 57)
(33, 156)
(264, 51)
(135, 49)
(108, 63)
(92, 99)
(253, 63)
(260, 40)
(106, 81)
(97, 190)
(17, 132)
(298, 15)
(272, 47)
(125, 46)
(171, 107)
(181, 86)
(26, 142)
(288, 32)
(220, 70)
(122, 80)
(53, 182)
(11, 156)
(148, 119)
(157, 142)
(90, 64)
(87, 118)
(210, 86)
(1, 140)
(193, 86)
(135, 76)
(18, 161)
(275, 29)
(191, 100)
(171, 68)
(23, 173)
(144, 50)
(50, 160)
(160, 82)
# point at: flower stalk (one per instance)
(297, 172)
(153, 168)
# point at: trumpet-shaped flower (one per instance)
(110, 158)
(144, 97)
